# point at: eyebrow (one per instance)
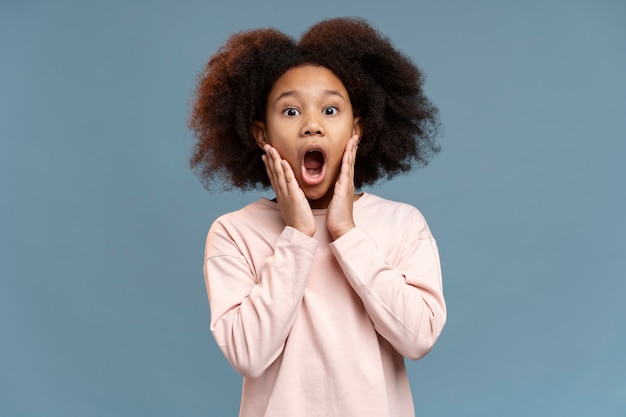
(296, 93)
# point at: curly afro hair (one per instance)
(399, 122)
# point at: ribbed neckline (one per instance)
(316, 212)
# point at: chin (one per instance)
(319, 199)
(315, 192)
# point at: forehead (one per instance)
(307, 79)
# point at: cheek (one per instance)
(279, 132)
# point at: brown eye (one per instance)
(291, 112)
(330, 111)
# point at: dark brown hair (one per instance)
(399, 122)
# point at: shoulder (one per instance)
(261, 216)
(252, 215)
(392, 214)
(389, 208)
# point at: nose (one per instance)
(312, 126)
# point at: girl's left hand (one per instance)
(339, 219)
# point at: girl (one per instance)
(318, 295)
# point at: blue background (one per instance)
(103, 310)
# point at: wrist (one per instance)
(307, 230)
(339, 232)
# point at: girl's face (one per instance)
(309, 121)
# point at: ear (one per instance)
(259, 133)
(357, 128)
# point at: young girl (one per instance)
(318, 295)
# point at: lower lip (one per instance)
(313, 179)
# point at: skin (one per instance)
(309, 108)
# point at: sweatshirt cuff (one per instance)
(299, 239)
(350, 240)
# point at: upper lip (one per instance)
(313, 147)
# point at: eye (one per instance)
(330, 111)
(291, 112)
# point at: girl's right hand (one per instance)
(291, 199)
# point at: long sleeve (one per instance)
(403, 296)
(253, 311)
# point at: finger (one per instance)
(272, 166)
(281, 172)
(347, 162)
(290, 177)
(355, 147)
(270, 171)
(269, 164)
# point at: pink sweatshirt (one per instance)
(321, 328)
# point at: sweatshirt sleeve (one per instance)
(404, 300)
(252, 313)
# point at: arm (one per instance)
(404, 301)
(251, 316)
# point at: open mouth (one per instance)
(313, 162)
(313, 166)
